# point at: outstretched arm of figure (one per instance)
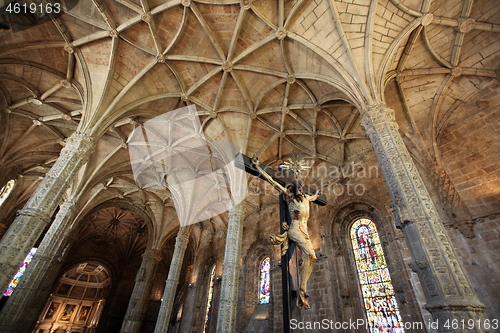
(270, 179)
(314, 197)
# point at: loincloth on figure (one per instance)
(300, 236)
(281, 240)
(297, 234)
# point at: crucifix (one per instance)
(294, 214)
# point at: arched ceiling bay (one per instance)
(122, 230)
(274, 77)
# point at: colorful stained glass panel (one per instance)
(20, 273)
(265, 281)
(6, 190)
(374, 279)
(209, 300)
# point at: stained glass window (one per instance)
(376, 287)
(209, 299)
(6, 190)
(20, 272)
(265, 281)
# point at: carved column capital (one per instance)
(35, 213)
(69, 205)
(377, 114)
(152, 255)
(79, 144)
(183, 236)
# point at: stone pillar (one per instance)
(226, 319)
(29, 297)
(174, 273)
(189, 306)
(193, 303)
(37, 213)
(450, 296)
(141, 294)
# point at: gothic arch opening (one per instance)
(265, 281)
(348, 223)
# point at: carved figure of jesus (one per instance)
(298, 205)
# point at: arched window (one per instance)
(20, 273)
(209, 299)
(265, 281)
(6, 190)
(375, 282)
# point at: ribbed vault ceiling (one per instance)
(274, 77)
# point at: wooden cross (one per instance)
(289, 289)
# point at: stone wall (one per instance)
(480, 256)
(333, 286)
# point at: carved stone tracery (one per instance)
(449, 293)
(37, 212)
(41, 273)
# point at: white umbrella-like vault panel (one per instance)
(171, 151)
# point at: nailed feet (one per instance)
(302, 301)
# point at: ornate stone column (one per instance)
(33, 290)
(37, 213)
(226, 319)
(141, 294)
(450, 297)
(193, 303)
(174, 273)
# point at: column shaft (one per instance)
(162, 324)
(141, 294)
(192, 303)
(37, 213)
(29, 297)
(449, 293)
(226, 319)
